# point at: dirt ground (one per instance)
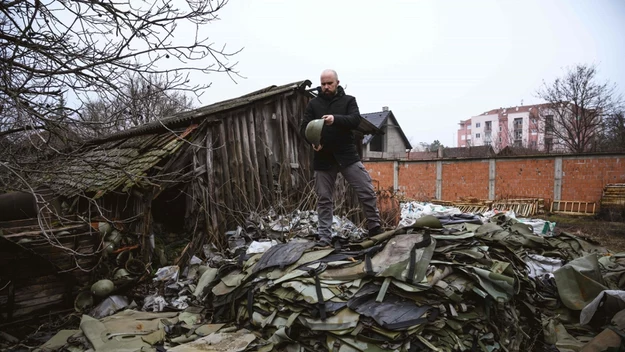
(610, 235)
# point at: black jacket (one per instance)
(338, 140)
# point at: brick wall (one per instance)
(465, 179)
(582, 177)
(417, 180)
(381, 174)
(524, 178)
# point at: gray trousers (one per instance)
(358, 178)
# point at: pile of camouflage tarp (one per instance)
(464, 286)
(439, 284)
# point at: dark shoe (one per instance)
(375, 231)
(323, 242)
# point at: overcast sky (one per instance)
(433, 63)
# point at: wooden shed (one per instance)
(207, 166)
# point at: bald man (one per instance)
(337, 152)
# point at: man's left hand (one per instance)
(329, 119)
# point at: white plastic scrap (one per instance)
(154, 303)
(180, 302)
(411, 211)
(260, 247)
(167, 273)
(539, 265)
(539, 226)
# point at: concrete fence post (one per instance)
(557, 182)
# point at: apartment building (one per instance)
(517, 126)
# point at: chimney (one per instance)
(385, 108)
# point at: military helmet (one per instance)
(313, 131)
(83, 301)
(102, 288)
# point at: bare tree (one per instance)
(517, 137)
(146, 99)
(576, 107)
(613, 137)
(73, 49)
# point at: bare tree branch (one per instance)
(576, 108)
(77, 49)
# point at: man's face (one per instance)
(329, 84)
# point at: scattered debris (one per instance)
(444, 280)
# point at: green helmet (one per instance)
(83, 301)
(102, 288)
(105, 228)
(313, 131)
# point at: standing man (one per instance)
(337, 153)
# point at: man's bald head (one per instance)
(329, 82)
(330, 72)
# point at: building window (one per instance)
(463, 137)
(533, 144)
(477, 135)
(477, 125)
(488, 126)
(376, 144)
(487, 143)
(518, 130)
(549, 124)
(500, 128)
(548, 144)
(534, 131)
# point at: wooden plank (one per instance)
(34, 293)
(225, 186)
(251, 128)
(305, 150)
(210, 179)
(39, 232)
(234, 167)
(244, 147)
(261, 154)
(281, 141)
(241, 180)
(290, 148)
(38, 303)
(218, 180)
(251, 171)
(269, 155)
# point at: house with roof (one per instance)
(392, 143)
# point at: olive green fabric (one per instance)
(457, 287)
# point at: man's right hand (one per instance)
(317, 147)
